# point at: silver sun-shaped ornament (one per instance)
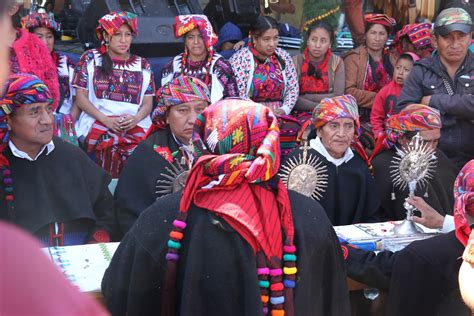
(172, 180)
(305, 174)
(414, 165)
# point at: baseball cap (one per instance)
(453, 19)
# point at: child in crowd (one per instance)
(388, 96)
(229, 35)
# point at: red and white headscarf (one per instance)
(111, 22)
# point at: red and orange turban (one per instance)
(180, 90)
(381, 19)
(330, 109)
(112, 21)
(186, 23)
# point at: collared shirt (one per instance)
(49, 147)
(448, 224)
(317, 145)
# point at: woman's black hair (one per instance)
(387, 65)
(107, 67)
(332, 37)
(262, 24)
(406, 57)
(322, 25)
(369, 25)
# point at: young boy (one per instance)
(388, 96)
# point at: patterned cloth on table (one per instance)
(414, 118)
(237, 146)
(112, 150)
(464, 201)
(121, 93)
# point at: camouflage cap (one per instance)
(453, 19)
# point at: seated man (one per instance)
(446, 82)
(49, 187)
(438, 193)
(159, 164)
(422, 279)
(233, 230)
(335, 175)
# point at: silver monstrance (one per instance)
(413, 166)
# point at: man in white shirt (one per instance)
(49, 187)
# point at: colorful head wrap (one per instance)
(464, 201)
(419, 35)
(112, 21)
(330, 109)
(35, 20)
(186, 23)
(413, 118)
(381, 19)
(237, 145)
(22, 89)
(180, 90)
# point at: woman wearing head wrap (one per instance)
(159, 164)
(266, 74)
(115, 91)
(422, 278)
(27, 54)
(369, 68)
(414, 38)
(46, 28)
(230, 249)
(344, 185)
(50, 188)
(437, 194)
(199, 58)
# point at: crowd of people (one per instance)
(212, 216)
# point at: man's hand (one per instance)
(429, 216)
(426, 100)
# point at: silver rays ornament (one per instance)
(413, 166)
(305, 174)
(172, 180)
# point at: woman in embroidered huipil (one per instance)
(160, 164)
(43, 26)
(199, 59)
(266, 74)
(321, 73)
(115, 91)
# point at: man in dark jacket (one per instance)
(446, 82)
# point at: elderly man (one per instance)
(50, 188)
(340, 178)
(159, 164)
(438, 193)
(446, 82)
(422, 279)
(226, 246)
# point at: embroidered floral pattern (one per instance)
(165, 152)
(237, 136)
